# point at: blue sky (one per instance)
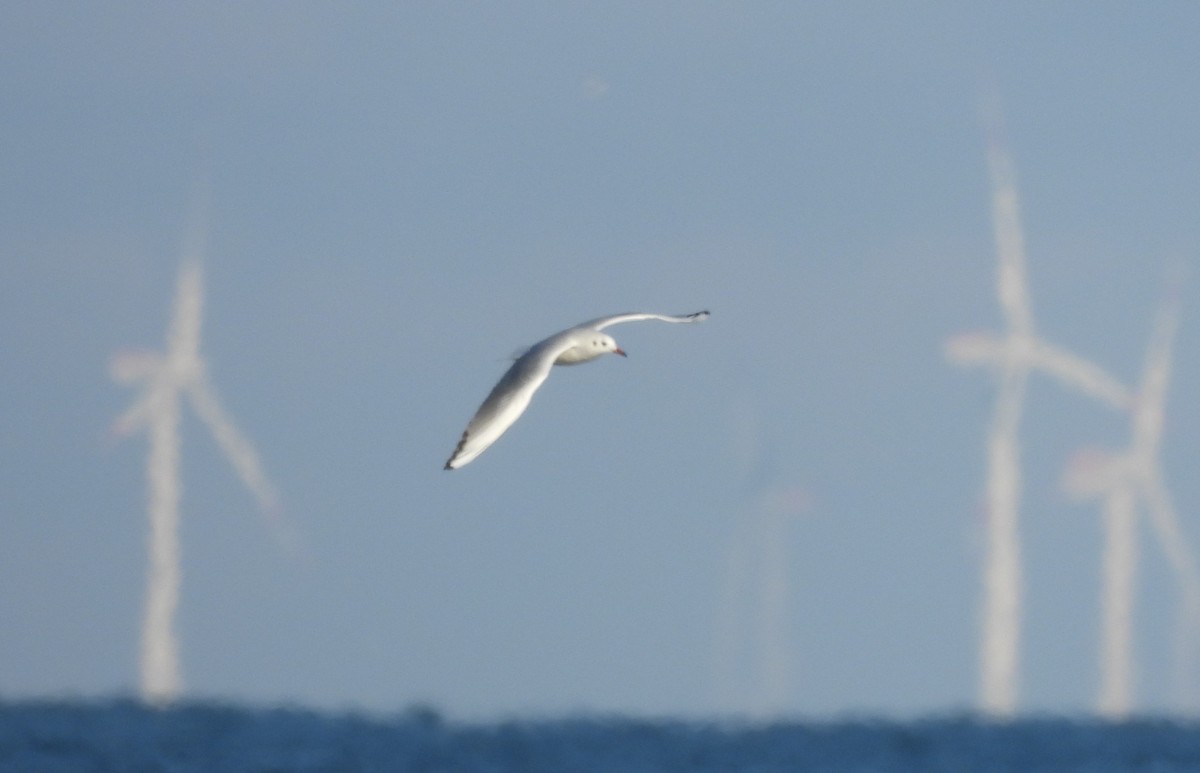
(403, 194)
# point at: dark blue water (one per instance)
(127, 736)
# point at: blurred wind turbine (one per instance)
(164, 378)
(1120, 479)
(757, 568)
(1013, 355)
(1093, 474)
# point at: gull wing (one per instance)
(504, 404)
(634, 316)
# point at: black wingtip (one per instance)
(457, 450)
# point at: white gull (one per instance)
(511, 395)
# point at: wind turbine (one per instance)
(165, 379)
(751, 648)
(1120, 480)
(1013, 355)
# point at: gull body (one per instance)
(512, 393)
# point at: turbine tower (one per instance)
(164, 380)
(1120, 480)
(1013, 355)
(753, 657)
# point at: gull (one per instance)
(512, 393)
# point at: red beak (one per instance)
(617, 350)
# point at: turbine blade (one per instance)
(976, 349)
(132, 367)
(1156, 377)
(236, 447)
(1012, 282)
(1070, 370)
(183, 338)
(1081, 375)
(1165, 524)
(137, 415)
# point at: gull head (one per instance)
(589, 345)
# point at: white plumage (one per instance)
(511, 395)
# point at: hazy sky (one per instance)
(402, 194)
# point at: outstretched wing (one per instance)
(511, 395)
(503, 406)
(634, 316)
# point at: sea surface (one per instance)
(125, 735)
